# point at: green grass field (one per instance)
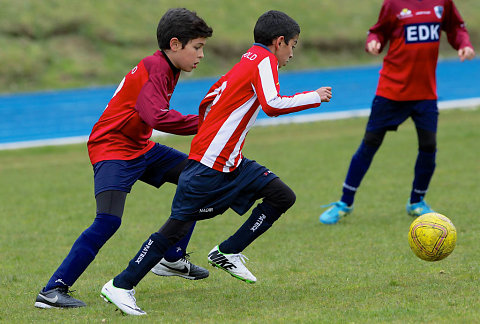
(359, 271)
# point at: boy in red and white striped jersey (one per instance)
(217, 176)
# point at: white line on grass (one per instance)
(450, 104)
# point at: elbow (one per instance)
(270, 111)
(271, 114)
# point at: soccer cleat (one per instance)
(182, 268)
(231, 263)
(57, 298)
(418, 209)
(333, 214)
(122, 298)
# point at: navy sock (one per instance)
(262, 218)
(84, 250)
(149, 255)
(359, 165)
(424, 168)
(178, 251)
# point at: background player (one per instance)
(406, 88)
(217, 176)
(121, 151)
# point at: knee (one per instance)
(373, 139)
(280, 196)
(288, 198)
(428, 147)
(427, 141)
(174, 230)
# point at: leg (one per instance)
(179, 250)
(360, 164)
(119, 290)
(151, 252)
(110, 206)
(425, 117)
(175, 261)
(278, 198)
(425, 164)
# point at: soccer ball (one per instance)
(432, 237)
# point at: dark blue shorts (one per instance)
(149, 168)
(388, 114)
(203, 192)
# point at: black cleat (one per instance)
(182, 268)
(57, 298)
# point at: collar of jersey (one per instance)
(174, 69)
(261, 45)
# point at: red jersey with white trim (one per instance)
(139, 105)
(413, 29)
(232, 104)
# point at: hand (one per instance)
(373, 47)
(325, 93)
(466, 53)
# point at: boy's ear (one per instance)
(278, 41)
(175, 44)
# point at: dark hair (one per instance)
(273, 24)
(182, 24)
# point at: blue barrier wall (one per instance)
(51, 115)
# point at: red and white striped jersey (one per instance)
(232, 104)
(413, 29)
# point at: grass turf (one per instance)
(54, 44)
(360, 270)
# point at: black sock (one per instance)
(149, 255)
(262, 218)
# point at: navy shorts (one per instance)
(388, 114)
(203, 192)
(149, 168)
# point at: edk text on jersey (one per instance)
(414, 29)
(232, 104)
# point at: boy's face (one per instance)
(187, 58)
(285, 51)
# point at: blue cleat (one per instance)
(332, 215)
(418, 209)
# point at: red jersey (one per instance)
(139, 105)
(413, 29)
(232, 104)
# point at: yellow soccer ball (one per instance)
(432, 237)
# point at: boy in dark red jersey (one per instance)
(217, 176)
(406, 88)
(121, 151)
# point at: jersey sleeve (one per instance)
(208, 100)
(454, 26)
(153, 107)
(383, 27)
(266, 87)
